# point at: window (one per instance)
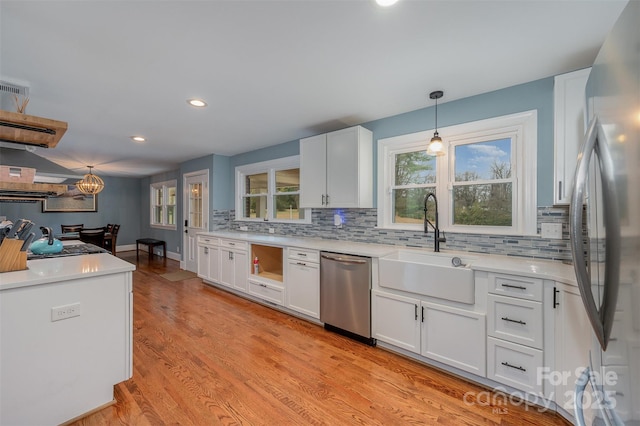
(163, 204)
(270, 191)
(485, 184)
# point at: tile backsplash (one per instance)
(360, 225)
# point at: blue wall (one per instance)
(535, 95)
(119, 202)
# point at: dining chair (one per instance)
(110, 243)
(93, 236)
(71, 228)
(109, 227)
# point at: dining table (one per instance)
(67, 236)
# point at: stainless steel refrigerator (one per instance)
(605, 229)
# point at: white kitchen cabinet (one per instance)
(336, 169)
(454, 336)
(515, 320)
(268, 290)
(208, 258)
(515, 331)
(514, 365)
(303, 282)
(396, 320)
(569, 128)
(573, 339)
(443, 333)
(234, 264)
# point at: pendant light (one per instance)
(90, 183)
(435, 146)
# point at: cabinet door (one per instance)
(303, 288)
(203, 262)
(214, 263)
(343, 168)
(313, 171)
(572, 345)
(569, 129)
(455, 337)
(241, 270)
(396, 320)
(227, 267)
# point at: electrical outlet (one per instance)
(178, 249)
(551, 230)
(244, 228)
(66, 311)
(272, 231)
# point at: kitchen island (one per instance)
(65, 337)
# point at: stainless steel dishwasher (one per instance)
(345, 295)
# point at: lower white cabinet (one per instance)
(234, 264)
(572, 345)
(271, 291)
(396, 320)
(208, 259)
(514, 365)
(515, 320)
(454, 336)
(303, 287)
(443, 333)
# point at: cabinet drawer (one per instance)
(515, 320)
(208, 241)
(303, 254)
(516, 286)
(514, 365)
(240, 245)
(267, 292)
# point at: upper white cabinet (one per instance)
(569, 129)
(336, 169)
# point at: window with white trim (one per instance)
(486, 182)
(270, 191)
(163, 204)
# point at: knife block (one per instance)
(11, 258)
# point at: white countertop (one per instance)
(538, 268)
(56, 269)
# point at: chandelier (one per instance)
(90, 183)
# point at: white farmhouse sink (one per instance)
(429, 274)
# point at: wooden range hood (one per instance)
(30, 130)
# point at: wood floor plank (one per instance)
(205, 356)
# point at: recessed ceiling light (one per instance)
(199, 103)
(386, 3)
(138, 138)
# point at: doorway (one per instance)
(196, 214)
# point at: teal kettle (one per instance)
(47, 244)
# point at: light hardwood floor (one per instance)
(203, 356)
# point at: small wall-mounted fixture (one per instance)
(198, 103)
(90, 183)
(138, 139)
(435, 145)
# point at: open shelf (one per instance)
(269, 261)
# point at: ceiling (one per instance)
(271, 71)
